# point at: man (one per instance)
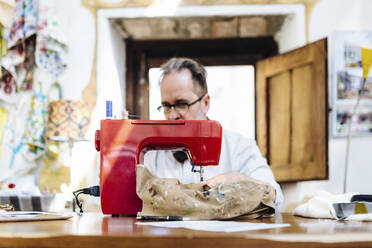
(184, 96)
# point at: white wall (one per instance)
(110, 66)
(330, 16)
(327, 17)
(78, 26)
(292, 33)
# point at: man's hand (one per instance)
(234, 177)
(229, 177)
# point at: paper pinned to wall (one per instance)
(214, 225)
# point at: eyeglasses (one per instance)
(179, 107)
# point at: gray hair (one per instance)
(198, 73)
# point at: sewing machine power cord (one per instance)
(94, 191)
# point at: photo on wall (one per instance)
(352, 56)
(348, 86)
(361, 122)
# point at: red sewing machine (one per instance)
(123, 143)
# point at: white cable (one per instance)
(349, 134)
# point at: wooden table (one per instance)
(96, 230)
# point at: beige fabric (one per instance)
(6, 12)
(168, 197)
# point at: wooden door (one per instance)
(292, 113)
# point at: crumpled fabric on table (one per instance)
(320, 206)
(168, 197)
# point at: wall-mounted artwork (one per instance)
(346, 82)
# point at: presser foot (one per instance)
(200, 170)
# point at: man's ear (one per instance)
(206, 103)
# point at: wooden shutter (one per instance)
(292, 113)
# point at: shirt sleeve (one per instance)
(149, 161)
(250, 162)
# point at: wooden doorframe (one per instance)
(141, 55)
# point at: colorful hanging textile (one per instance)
(6, 12)
(25, 21)
(19, 59)
(2, 47)
(17, 69)
(50, 58)
(13, 163)
(35, 59)
(2, 43)
(37, 117)
(51, 48)
(3, 121)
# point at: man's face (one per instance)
(177, 87)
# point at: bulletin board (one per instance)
(346, 80)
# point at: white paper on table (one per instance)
(13, 216)
(214, 225)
